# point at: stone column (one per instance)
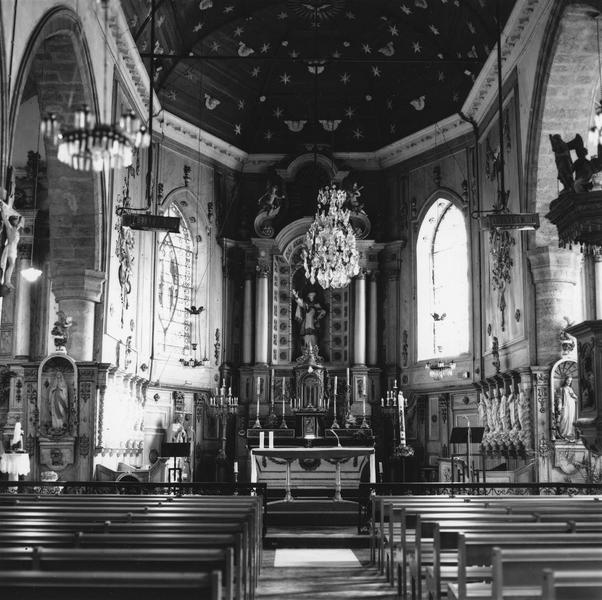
(261, 313)
(555, 275)
(359, 320)
(22, 324)
(598, 284)
(77, 292)
(372, 322)
(247, 326)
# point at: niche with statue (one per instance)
(57, 411)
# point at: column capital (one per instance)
(554, 264)
(77, 284)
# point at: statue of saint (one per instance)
(13, 224)
(566, 404)
(176, 433)
(59, 401)
(309, 313)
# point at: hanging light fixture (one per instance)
(330, 256)
(500, 218)
(440, 369)
(95, 146)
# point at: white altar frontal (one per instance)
(328, 468)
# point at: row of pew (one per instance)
(482, 547)
(129, 547)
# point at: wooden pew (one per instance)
(477, 549)
(197, 560)
(116, 585)
(137, 535)
(576, 584)
(518, 571)
(444, 564)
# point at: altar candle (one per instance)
(395, 385)
(335, 385)
(382, 401)
(235, 467)
(271, 439)
(258, 386)
(380, 467)
(364, 387)
(229, 391)
(261, 439)
(272, 388)
(402, 421)
(347, 375)
(364, 405)
(283, 386)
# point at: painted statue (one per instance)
(566, 407)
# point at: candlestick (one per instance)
(235, 467)
(402, 421)
(335, 385)
(283, 422)
(257, 424)
(272, 388)
(335, 424)
(347, 375)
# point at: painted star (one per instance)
(172, 94)
(405, 9)
(434, 30)
(285, 78)
(349, 112)
(278, 112)
(357, 134)
(336, 54)
(456, 97)
(417, 47)
(345, 78)
(350, 15)
(389, 104)
(264, 48)
(198, 27)
(268, 135)
(393, 30)
(366, 48)
(471, 27)
(228, 9)
(392, 128)
(294, 54)
(441, 76)
(376, 71)
(215, 46)
(238, 129)
(238, 31)
(255, 72)
(241, 104)
(282, 16)
(189, 74)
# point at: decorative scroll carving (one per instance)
(500, 244)
(124, 250)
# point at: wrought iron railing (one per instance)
(367, 490)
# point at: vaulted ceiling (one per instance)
(275, 76)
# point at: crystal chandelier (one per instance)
(440, 369)
(330, 256)
(92, 145)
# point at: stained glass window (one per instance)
(443, 291)
(174, 290)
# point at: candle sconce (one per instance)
(222, 406)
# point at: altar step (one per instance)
(311, 512)
(321, 536)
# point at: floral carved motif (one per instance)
(500, 243)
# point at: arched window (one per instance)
(443, 293)
(174, 290)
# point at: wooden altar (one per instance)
(322, 467)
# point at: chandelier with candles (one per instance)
(330, 256)
(439, 369)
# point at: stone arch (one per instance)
(562, 102)
(57, 70)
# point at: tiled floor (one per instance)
(319, 573)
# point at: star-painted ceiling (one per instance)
(275, 76)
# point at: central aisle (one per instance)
(312, 563)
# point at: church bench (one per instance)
(116, 585)
(522, 567)
(197, 560)
(441, 562)
(411, 547)
(578, 584)
(148, 533)
(476, 549)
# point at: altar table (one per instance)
(15, 464)
(311, 467)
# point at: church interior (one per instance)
(320, 258)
